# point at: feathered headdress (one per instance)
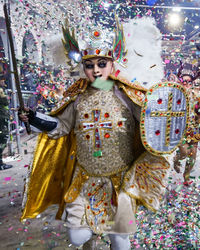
(186, 69)
(138, 59)
(94, 41)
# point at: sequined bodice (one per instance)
(104, 131)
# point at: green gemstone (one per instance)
(97, 153)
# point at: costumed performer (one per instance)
(89, 158)
(188, 150)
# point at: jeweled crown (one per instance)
(94, 42)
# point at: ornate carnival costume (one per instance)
(188, 149)
(94, 161)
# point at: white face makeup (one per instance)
(97, 67)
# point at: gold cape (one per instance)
(54, 159)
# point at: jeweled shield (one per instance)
(164, 116)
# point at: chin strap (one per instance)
(39, 123)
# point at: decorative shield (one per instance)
(164, 117)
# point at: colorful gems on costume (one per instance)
(87, 137)
(89, 194)
(179, 101)
(98, 51)
(157, 132)
(110, 53)
(117, 73)
(107, 135)
(159, 101)
(96, 33)
(106, 115)
(97, 153)
(86, 116)
(88, 207)
(120, 124)
(103, 221)
(93, 184)
(177, 131)
(85, 52)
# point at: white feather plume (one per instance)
(56, 50)
(143, 43)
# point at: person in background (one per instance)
(188, 149)
(4, 117)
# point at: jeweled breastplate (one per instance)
(105, 133)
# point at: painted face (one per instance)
(187, 81)
(98, 67)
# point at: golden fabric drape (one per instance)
(51, 174)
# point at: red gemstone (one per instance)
(110, 53)
(97, 130)
(179, 101)
(98, 51)
(101, 125)
(91, 125)
(85, 52)
(107, 135)
(98, 146)
(159, 101)
(157, 132)
(177, 131)
(97, 137)
(96, 34)
(120, 123)
(87, 137)
(96, 119)
(86, 116)
(106, 115)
